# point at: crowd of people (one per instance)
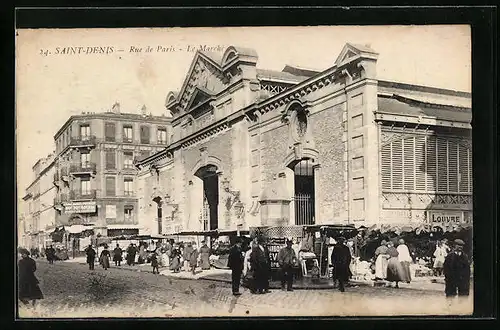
(252, 263)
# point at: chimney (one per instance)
(116, 107)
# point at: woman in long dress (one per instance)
(204, 256)
(175, 260)
(104, 258)
(381, 261)
(28, 283)
(394, 268)
(405, 259)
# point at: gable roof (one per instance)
(352, 51)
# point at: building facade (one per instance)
(254, 147)
(95, 174)
(40, 217)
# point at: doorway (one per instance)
(304, 192)
(208, 174)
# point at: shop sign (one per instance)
(274, 246)
(80, 207)
(446, 217)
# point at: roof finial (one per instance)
(116, 107)
(143, 110)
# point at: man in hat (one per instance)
(456, 269)
(287, 260)
(235, 263)
(341, 259)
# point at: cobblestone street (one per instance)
(71, 290)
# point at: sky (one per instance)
(51, 86)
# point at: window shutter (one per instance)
(464, 169)
(431, 164)
(409, 163)
(110, 186)
(110, 160)
(386, 166)
(453, 165)
(442, 164)
(420, 163)
(397, 165)
(145, 134)
(110, 131)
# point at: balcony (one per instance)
(88, 141)
(127, 140)
(82, 195)
(83, 168)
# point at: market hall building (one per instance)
(254, 147)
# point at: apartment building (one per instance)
(95, 172)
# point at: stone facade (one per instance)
(285, 146)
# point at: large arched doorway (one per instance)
(210, 215)
(304, 198)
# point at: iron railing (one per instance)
(304, 209)
(83, 141)
(79, 195)
(87, 167)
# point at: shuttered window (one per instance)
(110, 132)
(427, 163)
(145, 136)
(110, 160)
(110, 186)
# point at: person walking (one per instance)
(381, 259)
(90, 252)
(235, 263)
(287, 259)
(50, 253)
(394, 268)
(28, 283)
(267, 265)
(193, 258)
(341, 260)
(154, 263)
(259, 265)
(247, 268)
(186, 255)
(131, 251)
(405, 260)
(117, 255)
(439, 257)
(104, 258)
(204, 256)
(175, 260)
(456, 269)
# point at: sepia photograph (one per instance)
(244, 171)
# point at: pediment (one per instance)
(350, 51)
(204, 78)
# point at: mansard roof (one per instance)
(279, 75)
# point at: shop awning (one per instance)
(214, 233)
(77, 229)
(123, 226)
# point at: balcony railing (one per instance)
(88, 167)
(80, 195)
(83, 141)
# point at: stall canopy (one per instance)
(212, 233)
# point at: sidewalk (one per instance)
(224, 275)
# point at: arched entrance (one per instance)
(304, 197)
(210, 215)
